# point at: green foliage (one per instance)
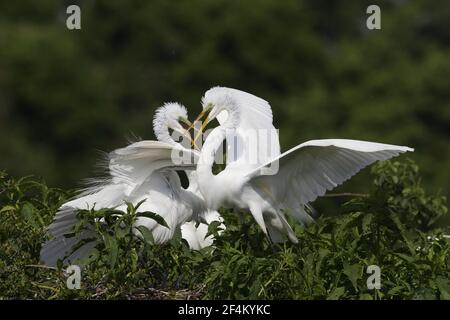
(392, 228)
(26, 208)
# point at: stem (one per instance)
(346, 194)
(39, 266)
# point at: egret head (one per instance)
(219, 102)
(172, 116)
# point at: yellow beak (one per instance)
(201, 114)
(204, 124)
(186, 126)
(188, 135)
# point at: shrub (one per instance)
(392, 227)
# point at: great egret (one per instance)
(254, 140)
(142, 170)
(305, 172)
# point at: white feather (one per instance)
(142, 170)
(245, 147)
(310, 169)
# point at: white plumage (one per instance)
(144, 170)
(257, 177)
(255, 119)
(196, 235)
(304, 172)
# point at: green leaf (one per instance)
(443, 285)
(336, 293)
(177, 237)
(134, 259)
(213, 229)
(121, 231)
(130, 207)
(113, 250)
(160, 220)
(366, 222)
(405, 257)
(30, 214)
(7, 208)
(139, 204)
(405, 235)
(353, 273)
(146, 234)
(365, 296)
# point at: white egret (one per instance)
(305, 172)
(142, 170)
(254, 140)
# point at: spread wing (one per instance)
(142, 170)
(130, 166)
(308, 170)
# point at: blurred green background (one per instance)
(66, 94)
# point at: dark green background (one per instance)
(66, 94)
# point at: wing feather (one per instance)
(139, 171)
(310, 169)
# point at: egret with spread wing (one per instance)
(304, 173)
(144, 170)
(254, 140)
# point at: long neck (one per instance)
(206, 178)
(208, 183)
(162, 134)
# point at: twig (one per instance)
(44, 286)
(346, 194)
(39, 266)
(99, 293)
